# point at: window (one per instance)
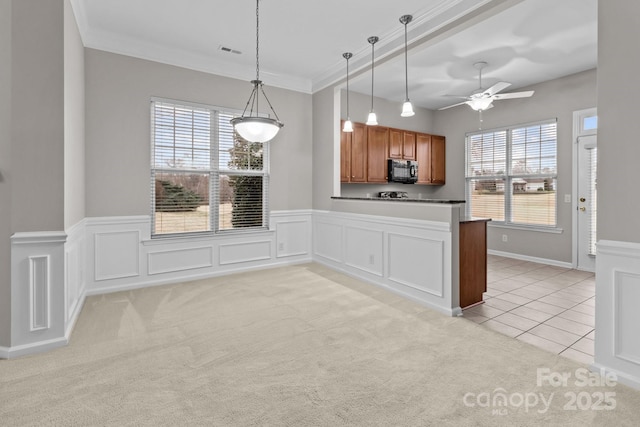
(204, 177)
(511, 175)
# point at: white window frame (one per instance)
(214, 171)
(508, 178)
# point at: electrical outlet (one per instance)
(504, 238)
(281, 246)
(371, 260)
(567, 198)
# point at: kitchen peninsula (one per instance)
(412, 247)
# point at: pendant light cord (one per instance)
(373, 40)
(257, 40)
(406, 66)
(348, 56)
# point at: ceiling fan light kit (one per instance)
(254, 128)
(482, 99)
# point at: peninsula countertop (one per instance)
(389, 199)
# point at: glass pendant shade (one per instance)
(480, 104)
(256, 129)
(407, 109)
(372, 119)
(348, 126)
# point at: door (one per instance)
(587, 195)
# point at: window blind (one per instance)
(511, 174)
(204, 177)
(592, 171)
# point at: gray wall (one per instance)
(553, 99)
(31, 129)
(37, 178)
(618, 124)
(74, 191)
(5, 173)
(118, 92)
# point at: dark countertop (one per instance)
(443, 201)
(474, 219)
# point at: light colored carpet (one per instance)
(292, 346)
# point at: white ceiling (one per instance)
(301, 42)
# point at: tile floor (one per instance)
(546, 306)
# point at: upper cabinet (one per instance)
(402, 144)
(430, 152)
(364, 153)
(353, 154)
(377, 148)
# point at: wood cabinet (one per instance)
(364, 153)
(473, 261)
(437, 160)
(377, 149)
(353, 154)
(402, 144)
(430, 153)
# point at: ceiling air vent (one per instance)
(229, 50)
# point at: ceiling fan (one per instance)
(482, 99)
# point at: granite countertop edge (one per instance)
(441, 201)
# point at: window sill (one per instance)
(552, 230)
(204, 236)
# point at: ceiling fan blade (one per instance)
(497, 88)
(512, 95)
(454, 105)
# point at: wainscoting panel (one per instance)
(617, 347)
(363, 249)
(38, 318)
(39, 291)
(236, 253)
(627, 327)
(116, 255)
(327, 240)
(417, 262)
(170, 261)
(292, 238)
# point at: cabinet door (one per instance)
(409, 145)
(395, 144)
(377, 149)
(345, 154)
(437, 160)
(358, 153)
(423, 155)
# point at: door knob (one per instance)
(582, 199)
(583, 208)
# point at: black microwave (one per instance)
(404, 171)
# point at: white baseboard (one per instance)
(32, 348)
(621, 377)
(531, 258)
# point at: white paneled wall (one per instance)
(617, 343)
(413, 258)
(52, 272)
(125, 257)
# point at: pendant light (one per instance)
(348, 126)
(407, 108)
(372, 120)
(254, 128)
